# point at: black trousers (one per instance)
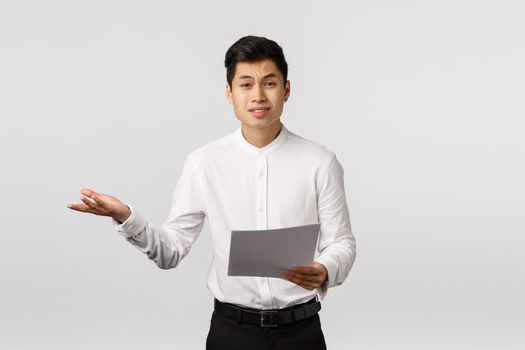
(227, 334)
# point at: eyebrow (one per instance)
(269, 75)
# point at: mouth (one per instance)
(259, 111)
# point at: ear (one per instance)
(229, 95)
(286, 90)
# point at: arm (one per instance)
(336, 242)
(168, 244)
(337, 245)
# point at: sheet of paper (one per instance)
(266, 253)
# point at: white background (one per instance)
(422, 101)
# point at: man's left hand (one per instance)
(308, 277)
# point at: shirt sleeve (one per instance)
(168, 244)
(337, 247)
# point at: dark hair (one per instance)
(252, 49)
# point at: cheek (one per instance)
(278, 96)
(238, 100)
(238, 105)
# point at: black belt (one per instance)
(268, 318)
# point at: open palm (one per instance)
(101, 204)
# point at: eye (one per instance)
(245, 85)
(270, 83)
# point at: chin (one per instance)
(259, 123)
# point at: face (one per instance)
(258, 93)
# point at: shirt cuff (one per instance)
(133, 225)
(331, 267)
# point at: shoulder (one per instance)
(211, 148)
(314, 150)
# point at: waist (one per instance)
(268, 318)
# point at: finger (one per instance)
(90, 204)
(79, 207)
(307, 278)
(99, 201)
(315, 279)
(95, 196)
(306, 270)
(88, 192)
(302, 283)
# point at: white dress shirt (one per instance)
(237, 186)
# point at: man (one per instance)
(261, 176)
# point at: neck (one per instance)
(261, 137)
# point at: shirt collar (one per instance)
(272, 146)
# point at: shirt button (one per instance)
(261, 210)
(261, 174)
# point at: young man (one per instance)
(261, 176)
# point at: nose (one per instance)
(258, 94)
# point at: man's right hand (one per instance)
(101, 204)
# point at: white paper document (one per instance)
(266, 253)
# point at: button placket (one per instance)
(262, 222)
(261, 181)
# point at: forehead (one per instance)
(256, 70)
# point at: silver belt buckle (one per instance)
(268, 315)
